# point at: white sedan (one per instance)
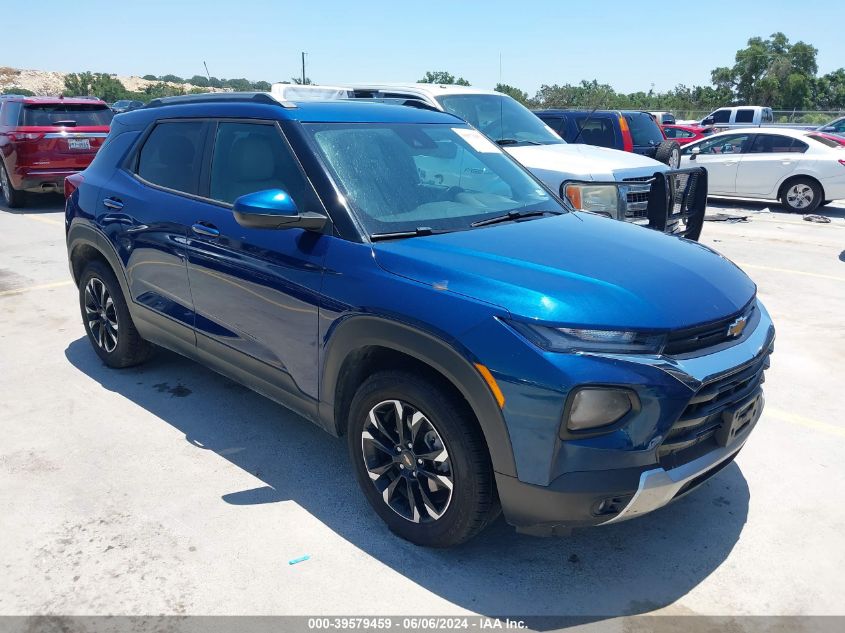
(802, 169)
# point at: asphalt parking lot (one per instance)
(169, 489)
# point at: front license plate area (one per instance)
(736, 420)
(78, 143)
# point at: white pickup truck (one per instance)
(736, 116)
(621, 185)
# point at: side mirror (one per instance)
(708, 121)
(828, 128)
(274, 209)
(695, 151)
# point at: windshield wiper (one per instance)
(511, 216)
(417, 232)
(513, 141)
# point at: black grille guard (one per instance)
(677, 200)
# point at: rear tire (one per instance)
(801, 195)
(11, 197)
(432, 482)
(669, 153)
(106, 318)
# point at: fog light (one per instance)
(593, 407)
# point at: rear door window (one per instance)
(172, 156)
(744, 115)
(596, 130)
(73, 114)
(728, 144)
(644, 129)
(776, 144)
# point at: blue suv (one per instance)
(480, 346)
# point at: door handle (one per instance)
(113, 203)
(206, 229)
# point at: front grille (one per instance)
(693, 434)
(707, 335)
(636, 197)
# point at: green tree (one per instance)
(239, 85)
(771, 71)
(199, 80)
(172, 79)
(17, 91)
(516, 93)
(150, 77)
(262, 86)
(100, 85)
(443, 77)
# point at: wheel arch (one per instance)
(789, 179)
(360, 345)
(86, 244)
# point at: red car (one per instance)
(45, 139)
(834, 138)
(686, 133)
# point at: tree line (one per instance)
(767, 71)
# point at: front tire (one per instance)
(801, 195)
(10, 196)
(106, 318)
(420, 459)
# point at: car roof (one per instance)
(264, 105)
(765, 130)
(60, 100)
(434, 90)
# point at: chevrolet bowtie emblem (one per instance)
(736, 328)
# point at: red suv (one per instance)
(45, 139)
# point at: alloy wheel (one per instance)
(4, 184)
(675, 158)
(101, 315)
(800, 196)
(407, 461)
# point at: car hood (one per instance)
(577, 269)
(574, 161)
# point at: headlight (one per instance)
(596, 198)
(593, 407)
(566, 339)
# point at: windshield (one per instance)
(81, 114)
(500, 117)
(403, 176)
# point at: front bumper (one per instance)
(604, 480)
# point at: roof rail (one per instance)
(220, 97)
(403, 101)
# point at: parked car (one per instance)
(125, 105)
(837, 127)
(824, 136)
(474, 345)
(617, 184)
(737, 116)
(630, 131)
(664, 118)
(801, 169)
(44, 139)
(684, 134)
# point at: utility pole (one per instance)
(207, 74)
(303, 68)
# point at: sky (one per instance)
(629, 45)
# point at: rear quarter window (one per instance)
(53, 114)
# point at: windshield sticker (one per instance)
(477, 140)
